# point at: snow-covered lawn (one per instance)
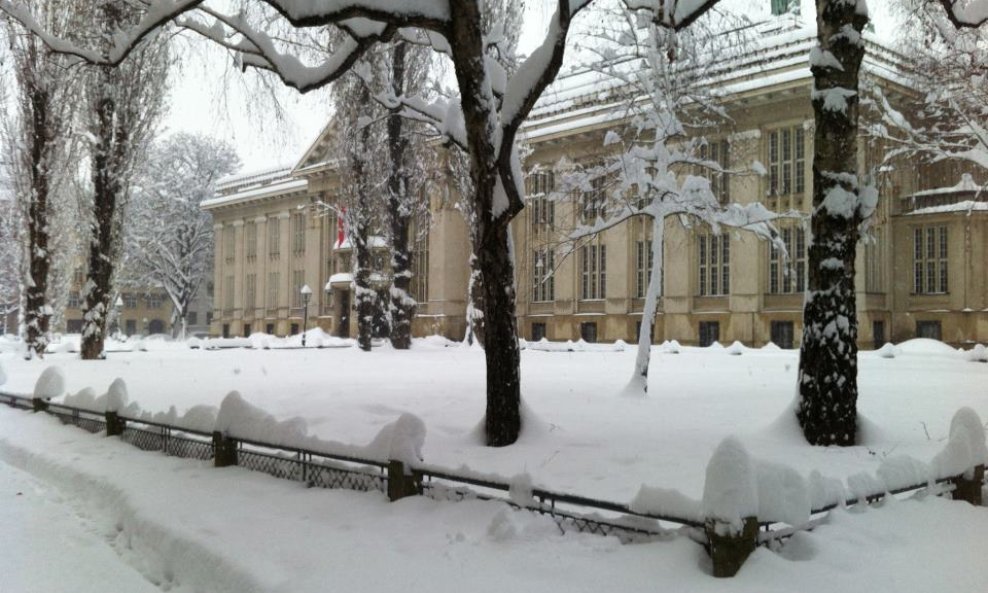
(582, 437)
(188, 527)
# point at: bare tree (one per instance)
(661, 165)
(168, 238)
(123, 105)
(943, 118)
(38, 137)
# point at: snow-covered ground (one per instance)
(584, 438)
(101, 509)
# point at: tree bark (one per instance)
(503, 419)
(402, 304)
(365, 295)
(107, 192)
(36, 312)
(828, 391)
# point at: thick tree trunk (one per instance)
(638, 386)
(402, 304)
(475, 302)
(828, 389)
(37, 313)
(503, 419)
(107, 191)
(365, 295)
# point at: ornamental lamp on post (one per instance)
(306, 294)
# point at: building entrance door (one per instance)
(344, 314)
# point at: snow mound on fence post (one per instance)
(965, 447)
(239, 419)
(783, 494)
(730, 493)
(401, 440)
(116, 396)
(977, 354)
(50, 384)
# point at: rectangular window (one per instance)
(643, 267)
(246, 330)
(74, 300)
(298, 233)
(420, 271)
(228, 288)
(130, 327)
(250, 240)
(298, 281)
(129, 300)
(155, 300)
(788, 277)
(930, 250)
(782, 334)
(274, 279)
(543, 277)
(718, 152)
(192, 317)
(542, 207)
(250, 292)
(229, 244)
(594, 200)
(588, 331)
(787, 161)
(593, 268)
(274, 237)
(709, 332)
(929, 329)
(538, 332)
(714, 264)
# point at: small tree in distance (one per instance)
(169, 237)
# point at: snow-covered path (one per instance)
(47, 547)
(190, 527)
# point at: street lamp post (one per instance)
(306, 294)
(118, 306)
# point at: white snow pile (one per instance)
(401, 440)
(520, 490)
(735, 349)
(116, 397)
(580, 345)
(977, 354)
(926, 346)
(666, 502)
(887, 351)
(783, 494)
(965, 447)
(730, 493)
(50, 384)
(671, 347)
(3, 375)
(771, 347)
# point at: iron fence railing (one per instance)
(343, 471)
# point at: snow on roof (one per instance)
(966, 184)
(258, 176)
(965, 206)
(283, 186)
(340, 278)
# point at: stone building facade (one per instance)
(922, 272)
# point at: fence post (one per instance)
(114, 424)
(39, 404)
(401, 484)
(224, 450)
(969, 490)
(729, 548)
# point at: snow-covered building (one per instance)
(922, 274)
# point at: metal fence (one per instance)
(571, 513)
